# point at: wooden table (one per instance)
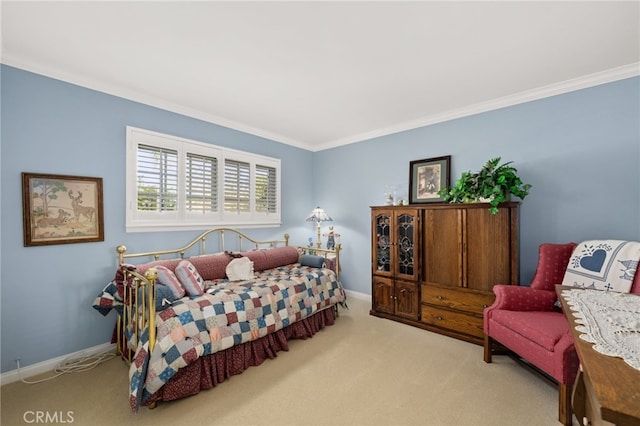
(607, 389)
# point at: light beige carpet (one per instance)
(361, 371)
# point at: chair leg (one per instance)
(565, 412)
(488, 348)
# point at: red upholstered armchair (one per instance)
(525, 321)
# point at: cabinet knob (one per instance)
(440, 297)
(439, 318)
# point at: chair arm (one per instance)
(570, 361)
(516, 298)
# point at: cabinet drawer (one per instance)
(455, 321)
(459, 299)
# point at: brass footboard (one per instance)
(139, 311)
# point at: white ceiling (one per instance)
(323, 74)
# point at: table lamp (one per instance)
(318, 215)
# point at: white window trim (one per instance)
(137, 221)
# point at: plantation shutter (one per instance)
(157, 177)
(201, 183)
(266, 197)
(179, 184)
(237, 186)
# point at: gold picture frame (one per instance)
(61, 209)
(427, 177)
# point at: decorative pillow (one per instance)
(211, 267)
(603, 265)
(164, 297)
(312, 260)
(190, 278)
(273, 257)
(240, 269)
(167, 278)
(168, 263)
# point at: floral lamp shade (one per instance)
(318, 215)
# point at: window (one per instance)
(157, 179)
(202, 183)
(179, 184)
(237, 186)
(266, 192)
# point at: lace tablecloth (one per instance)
(609, 320)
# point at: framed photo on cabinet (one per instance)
(61, 209)
(427, 177)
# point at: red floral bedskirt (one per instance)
(212, 369)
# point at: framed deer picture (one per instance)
(61, 209)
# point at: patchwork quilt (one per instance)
(228, 314)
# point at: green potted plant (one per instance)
(494, 183)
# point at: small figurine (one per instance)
(389, 200)
(331, 242)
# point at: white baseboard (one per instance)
(357, 295)
(52, 364)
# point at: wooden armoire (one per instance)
(434, 265)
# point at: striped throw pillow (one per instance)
(190, 278)
(167, 278)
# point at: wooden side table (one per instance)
(607, 389)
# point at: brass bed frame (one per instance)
(139, 310)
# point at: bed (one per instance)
(192, 317)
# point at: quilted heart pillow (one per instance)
(603, 265)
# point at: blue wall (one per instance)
(580, 151)
(49, 126)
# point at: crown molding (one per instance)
(132, 95)
(590, 80)
(584, 82)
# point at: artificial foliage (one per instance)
(494, 183)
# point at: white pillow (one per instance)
(240, 269)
